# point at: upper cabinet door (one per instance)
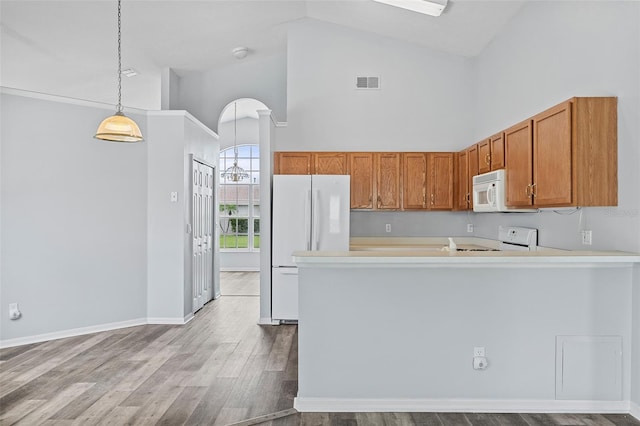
(440, 182)
(414, 183)
(497, 151)
(484, 153)
(463, 193)
(330, 163)
(518, 156)
(388, 180)
(472, 157)
(552, 165)
(293, 163)
(362, 179)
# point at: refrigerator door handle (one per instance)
(307, 219)
(316, 220)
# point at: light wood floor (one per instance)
(218, 369)
(240, 283)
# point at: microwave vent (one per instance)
(367, 82)
(489, 177)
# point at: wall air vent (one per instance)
(367, 82)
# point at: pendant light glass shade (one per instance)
(119, 127)
(235, 173)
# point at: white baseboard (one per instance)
(333, 405)
(71, 333)
(91, 329)
(268, 321)
(167, 321)
(634, 410)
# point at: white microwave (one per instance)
(490, 193)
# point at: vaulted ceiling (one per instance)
(68, 48)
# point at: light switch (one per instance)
(174, 197)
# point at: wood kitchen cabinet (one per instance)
(497, 151)
(362, 179)
(388, 178)
(484, 156)
(519, 160)
(440, 180)
(330, 163)
(565, 156)
(414, 181)
(491, 154)
(472, 157)
(293, 163)
(462, 182)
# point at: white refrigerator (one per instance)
(310, 212)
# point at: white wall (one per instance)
(74, 214)
(548, 53)
(423, 104)
(206, 94)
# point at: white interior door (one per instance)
(203, 216)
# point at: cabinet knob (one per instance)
(487, 159)
(527, 191)
(432, 199)
(533, 190)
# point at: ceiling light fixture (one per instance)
(240, 52)
(118, 127)
(235, 173)
(428, 7)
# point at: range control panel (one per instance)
(518, 236)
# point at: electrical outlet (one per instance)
(14, 311)
(469, 227)
(478, 351)
(387, 227)
(586, 237)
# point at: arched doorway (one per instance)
(239, 197)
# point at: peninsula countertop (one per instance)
(432, 251)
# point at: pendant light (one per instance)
(119, 127)
(235, 173)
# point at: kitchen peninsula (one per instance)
(395, 330)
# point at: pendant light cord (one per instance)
(235, 131)
(119, 106)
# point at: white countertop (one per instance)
(426, 251)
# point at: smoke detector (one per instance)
(240, 52)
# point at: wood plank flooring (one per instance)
(219, 369)
(240, 283)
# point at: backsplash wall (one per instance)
(409, 224)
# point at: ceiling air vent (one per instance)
(367, 82)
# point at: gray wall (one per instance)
(596, 52)
(165, 219)
(423, 103)
(206, 94)
(402, 333)
(582, 62)
(635, 372)
(173, 135)
(74, 212)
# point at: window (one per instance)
(240, 201)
